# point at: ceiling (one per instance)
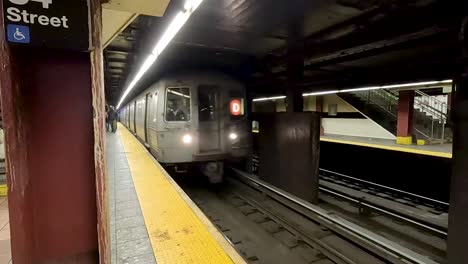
(343, 43)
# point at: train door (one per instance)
(140, 118)
(127, 121)
(147, 109)
(151, 113)
(131, 116)
(209, 119)
(134, 116)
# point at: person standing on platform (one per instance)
(108, 125)
(112, 116)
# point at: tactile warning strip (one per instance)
(177, 235)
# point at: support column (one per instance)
(295, 70)
(53, 114)
(405, 118)
(458, 213)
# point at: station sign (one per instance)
(236, 107)
(48, 23)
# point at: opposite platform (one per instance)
(152, 219)
(436, 150)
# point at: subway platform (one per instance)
(436, 150)
(151, 219)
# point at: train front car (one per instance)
(193, 120)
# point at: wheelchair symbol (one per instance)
(18, 35)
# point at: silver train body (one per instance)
(191, 119)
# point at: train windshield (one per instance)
(178, 104)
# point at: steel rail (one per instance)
(379, 245)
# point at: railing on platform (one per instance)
(430, 115)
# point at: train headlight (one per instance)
(233, 136)
(187, 139)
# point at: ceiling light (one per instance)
(269, 98)
(320, 93)
(176, 24)
(360, 89)
(174, 27)
(408, 85)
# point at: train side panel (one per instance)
(132, 117)
(127, 116)
(153, 115)
(140, 118)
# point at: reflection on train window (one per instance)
(178, 104)
(207, 103)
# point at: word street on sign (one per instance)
(48, 23)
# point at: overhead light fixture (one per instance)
(269, 98)
(361, 89)
(174, 27)
(320, 93)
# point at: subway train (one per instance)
(191, 120)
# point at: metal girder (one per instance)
(421, 71)
(115, 67)
(372, 48)
(110, 60)
(367, 50)
(118, 50)
(374, 24)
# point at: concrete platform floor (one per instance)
(5, 245)
(129, 238)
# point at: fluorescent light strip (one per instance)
(171, 31)
(360, 89)
(320, 93)
(269, 98)
(174, 27)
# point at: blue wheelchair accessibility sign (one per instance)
(18, 34)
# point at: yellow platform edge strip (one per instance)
(3, 190)
(179, 232)
(404, 140)
(402, 149)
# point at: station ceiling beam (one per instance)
(367, 50)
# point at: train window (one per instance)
(177, 104)
(207, 103)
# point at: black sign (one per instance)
(48, 23)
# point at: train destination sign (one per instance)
(48, 23)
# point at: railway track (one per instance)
(370, 241)
(265, 231)
(399, 196)
(426, 214)
(267, 225)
